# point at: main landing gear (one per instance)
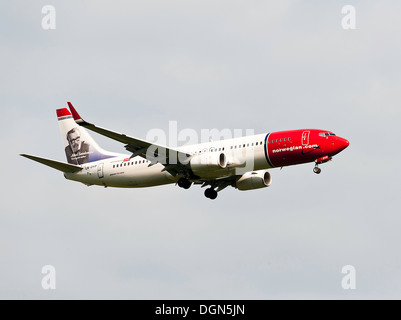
(184, 183)
(211, 193)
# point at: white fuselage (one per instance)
(120, 171)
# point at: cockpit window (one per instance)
(326, 134)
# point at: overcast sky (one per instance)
(132, 66)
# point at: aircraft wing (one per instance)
(61, 166)
(168, 157)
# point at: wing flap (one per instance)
(61, 166)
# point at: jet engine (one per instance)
(254, 180)
(207, 163)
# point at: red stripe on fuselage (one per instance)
(291, 147)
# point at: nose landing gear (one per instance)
(321, 160)
(317, 170)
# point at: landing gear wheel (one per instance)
(317, 170)
(211, 193)
(184, 183)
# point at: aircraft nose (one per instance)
(342, 144)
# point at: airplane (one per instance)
(243, 163)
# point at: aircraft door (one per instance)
(100, 173)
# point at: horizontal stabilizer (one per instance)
(61, 166)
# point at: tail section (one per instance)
(79, 146)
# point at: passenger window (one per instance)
(223, 148)
(136, 162)
(285, 139)
(256, 143)
(289, 139)
(235, 147)
(231, 147)
(247, 145)
(252, 144)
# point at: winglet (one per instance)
(75, 114)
